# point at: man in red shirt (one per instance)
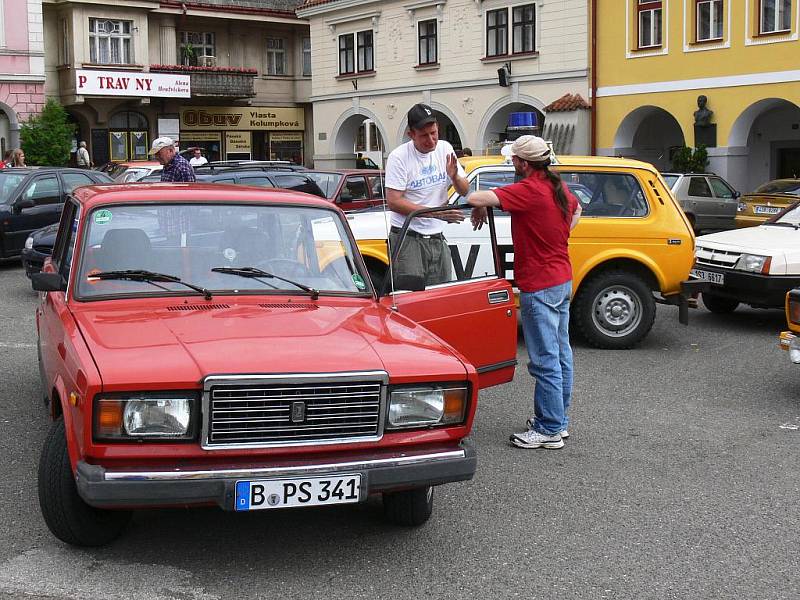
(543, 212)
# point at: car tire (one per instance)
(719, 305)
(67, 516)
(410, 507)
(614, 310)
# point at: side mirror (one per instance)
(736, 194)
(48, 282)
(24, 203)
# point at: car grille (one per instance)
(716, 258)
(290, 411)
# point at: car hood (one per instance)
(137, 345)
(46, 236)
(764, 239)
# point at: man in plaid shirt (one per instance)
(173, 220)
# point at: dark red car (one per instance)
(351, 189)
(205, 344)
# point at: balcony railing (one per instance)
(219, 82)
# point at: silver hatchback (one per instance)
(708, 200)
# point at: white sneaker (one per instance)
(534, 439)
(564, 433)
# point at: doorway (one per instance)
(127, 137)
(789, 163)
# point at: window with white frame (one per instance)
(776, 16)
(194, 44)
(306, 57)
(427, 40)
(110, 42)
(520, 36)
(650, 23)
(709, 20)
(276, 56)
(356, 53)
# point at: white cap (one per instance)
(161, 143)
(531, 148)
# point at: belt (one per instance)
(417, 234)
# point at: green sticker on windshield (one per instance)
(101, 217)
(359, 281)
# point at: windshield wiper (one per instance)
(255, 273)
(149, 277)
(784, 224)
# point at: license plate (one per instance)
(717, 278)
(291, 493)
(767, 210)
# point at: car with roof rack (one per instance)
(223, 345)
(708, 200)
(288, 180)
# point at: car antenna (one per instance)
(387, 226)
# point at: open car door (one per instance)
(463, 299)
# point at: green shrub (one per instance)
(47, 137)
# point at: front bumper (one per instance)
(380, 472)
(761, 291)
(790, 342)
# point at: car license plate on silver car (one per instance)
(717, 278)
(290, 493)
(767, 210)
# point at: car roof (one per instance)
(39, 170)
(347, 171)
(92, 196)
(470, 163)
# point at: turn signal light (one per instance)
(455, 404)
(109, 417)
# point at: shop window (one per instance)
(194, 45)
(776, 16)
(127, 137)
(356, 53)
(427, 36)
(649, 18)
(306, 57)
(110, 42)
(276, 56)
(709, 20)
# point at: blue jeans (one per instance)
(545, 323)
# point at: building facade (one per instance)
(374, 59)
(655, 58)
(21, 67)
(230, 76)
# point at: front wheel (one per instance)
(409, 507)
(67, 516)
(614, 310)
(719, 305)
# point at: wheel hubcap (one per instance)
(617, 311)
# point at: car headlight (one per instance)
(29, 243)
(753, 263)
(427, 405)
(741, 207)
(154, 415)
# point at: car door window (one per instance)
(44, 190)
(73, 180)
(355, 188)
(698, 186)
(376, 185)
(721, 189)
(607, 194)
(64, 246)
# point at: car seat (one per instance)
(245, 247)
(123, 249)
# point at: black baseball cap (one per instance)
(420, 115)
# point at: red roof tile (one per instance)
(567, 103)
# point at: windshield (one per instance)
(9, 183)
(789, 186)
(327, 182)
(790, 217)
(671, 179)
(302, 245)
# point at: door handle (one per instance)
(500, 297)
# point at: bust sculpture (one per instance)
(702, 116)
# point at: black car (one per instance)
(289, 180)
(38, 246)
(220, 166)
(31, 198)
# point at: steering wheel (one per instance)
(285, 267)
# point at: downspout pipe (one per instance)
(593, 67)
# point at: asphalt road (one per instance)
(681, 480)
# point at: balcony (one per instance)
(215, 82)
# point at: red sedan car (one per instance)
(223, 345)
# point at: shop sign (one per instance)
(123, 83)
(237, 141)
(243, 118)
(200, 136)
(285, 137)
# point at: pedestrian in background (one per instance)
(17, 158)
(198, 160)
(6, 162)
(176, 168)
(418, 175)
(466, 152)
(82, 158)
(543, 212)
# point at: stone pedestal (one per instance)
(705, 135)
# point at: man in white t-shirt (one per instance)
(418, 175)
(198, 159)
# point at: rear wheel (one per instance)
(718, 304)
(614, 309)
(67, 516)
(409, 507)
